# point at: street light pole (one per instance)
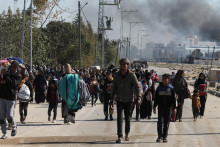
(208, 60)
(212, 56)
(130, 39)
(79, 23)
(141, 45)
(22, 41)
(31, 34)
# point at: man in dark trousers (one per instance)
(165, 99)
(124, 84)
(10, 83)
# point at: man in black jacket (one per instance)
(8, 98)
(165, 99)
(124, 84)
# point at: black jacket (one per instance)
(10, 88)
(49, 92)
(165, 97)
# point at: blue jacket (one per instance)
(165, 97)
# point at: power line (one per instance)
(85, 16)
(64, 9)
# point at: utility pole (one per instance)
(142, 45)
(139, 31)
(79, 23)
(96, 51)
(122, 18)
(101, 27)
(31, 34)
(130, 38)
(208, 60)
(22, 41)
(212, 56)
(122, 26)
(127, 47)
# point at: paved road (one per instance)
(91, 130)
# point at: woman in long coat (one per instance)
(40, 86)
(181, 88)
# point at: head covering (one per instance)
(148, 74)
(179, 73)
(124, 61)
(41, 70)
(201, 81)
(15, 63)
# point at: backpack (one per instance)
(24, 93)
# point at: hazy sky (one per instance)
(91, 12)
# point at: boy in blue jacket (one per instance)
(165, 99)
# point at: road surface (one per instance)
(91, 130)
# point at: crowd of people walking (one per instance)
(127, 89)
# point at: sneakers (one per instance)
(4, 136)
(48, 118)
(165, 140)
(159, 139)
(14, 132)
(24, 122)
(111, 117)
(54, 121)
(127, 138)
(69, 123)
(119, 140)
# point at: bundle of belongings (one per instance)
(74, 91)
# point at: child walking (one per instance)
(165, 99)
(24, 98)
(52, 99)
(93, 89)
(195, 104)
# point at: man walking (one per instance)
(8, 98)
(124, 84)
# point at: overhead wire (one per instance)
(65, 10)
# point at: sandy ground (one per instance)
(91, 130)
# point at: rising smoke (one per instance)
(169, 19)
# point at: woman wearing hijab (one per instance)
(181, 88)
(201, 85)
(148, 93)
(40, 86)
